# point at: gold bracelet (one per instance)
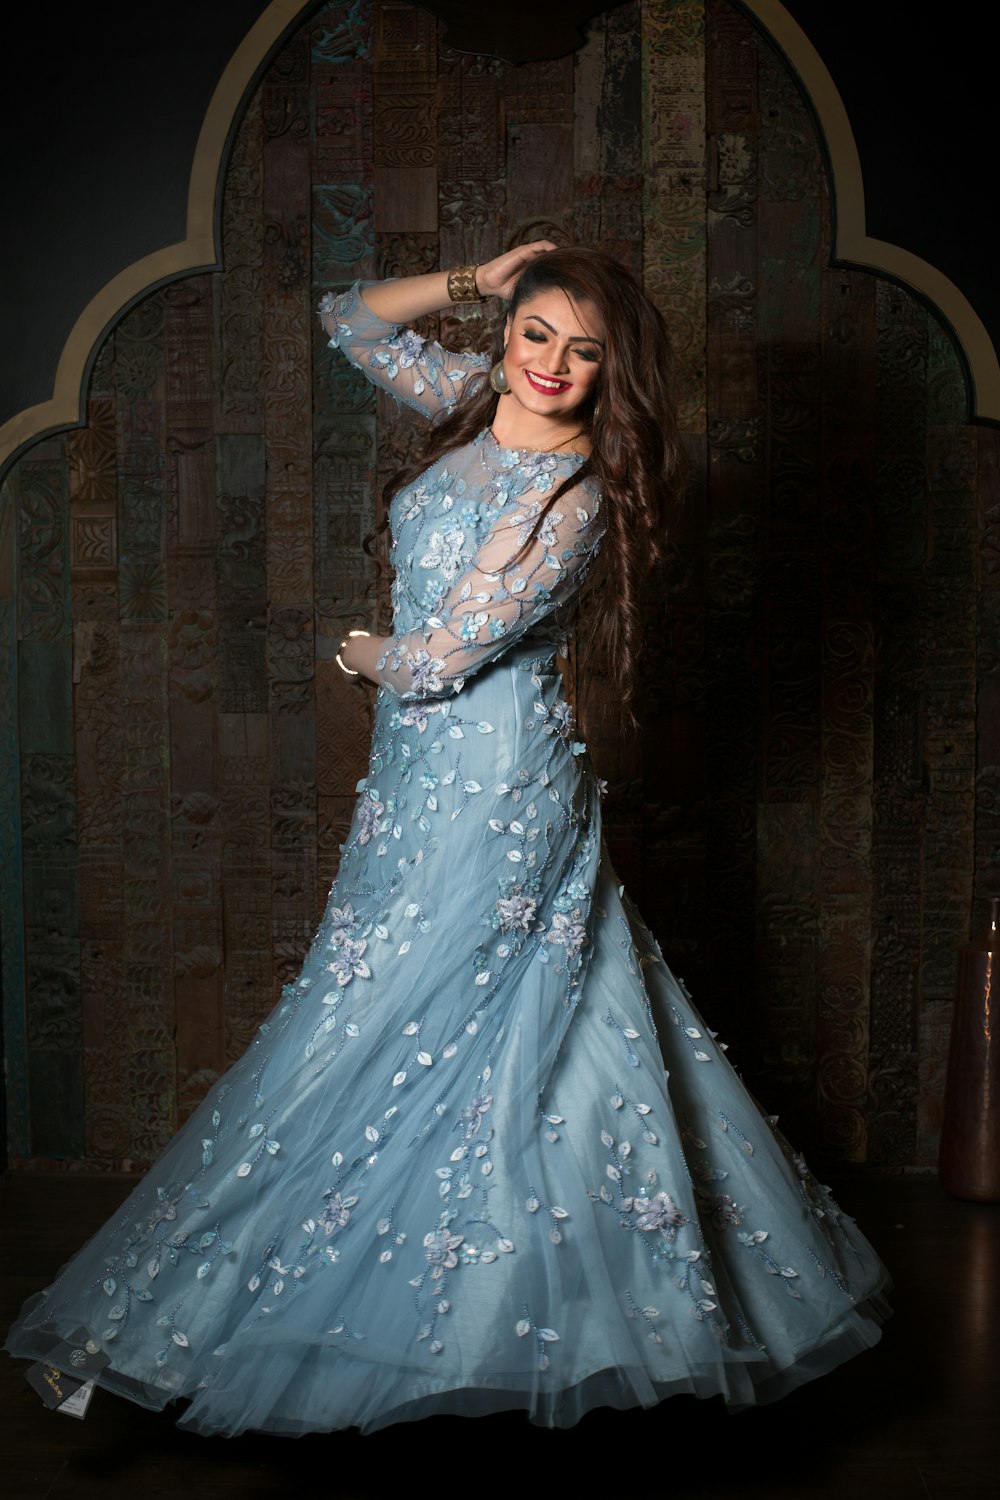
(462, 285)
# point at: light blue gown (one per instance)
(485, 1153)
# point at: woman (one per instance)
(588, 326)
(410, 1195)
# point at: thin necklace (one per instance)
(572, 438)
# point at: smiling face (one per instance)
(553, 354)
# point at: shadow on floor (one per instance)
(915, 1419)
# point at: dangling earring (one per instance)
(498, 379)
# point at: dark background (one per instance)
(103, 105)
(811, 811)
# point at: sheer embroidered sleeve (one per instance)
(511, 587)
(415, 370)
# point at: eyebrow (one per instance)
(576, 338)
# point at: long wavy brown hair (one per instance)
(636, 453)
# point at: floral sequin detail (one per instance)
(451, 1149)
(659, 1212)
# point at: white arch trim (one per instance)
(853, 244)
(198, 249)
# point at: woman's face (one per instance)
(553, 356)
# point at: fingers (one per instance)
(496, 278)
(525, 253)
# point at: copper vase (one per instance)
(969, 1163)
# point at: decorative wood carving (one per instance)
(812, 809)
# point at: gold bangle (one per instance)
(462, 285)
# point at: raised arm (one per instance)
(510, 587)
(415, 370)
(368, 324)
(411, 297)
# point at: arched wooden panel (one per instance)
(797, 818)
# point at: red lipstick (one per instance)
(547, 390)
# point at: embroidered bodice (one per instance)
(473, 576)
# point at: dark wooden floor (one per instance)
(918, 1418)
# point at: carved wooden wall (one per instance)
(179, 751)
